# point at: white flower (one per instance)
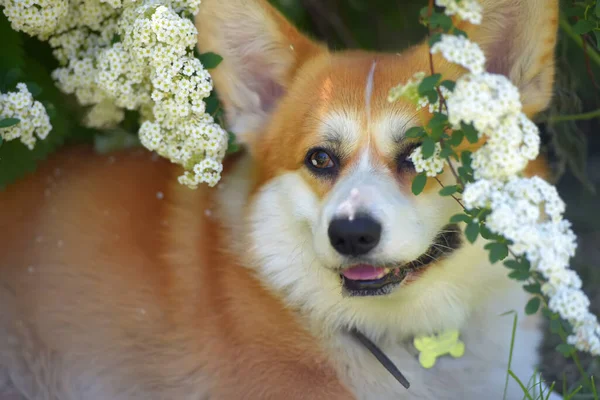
(34, 122)
(528, 212)
(508, 148)
(460, 50)
(483, 100)
(432, 166)
(571, 304)
(35, 17)
(104, 115)
(468, 10)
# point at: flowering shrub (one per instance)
(126, 55)
(519, 216)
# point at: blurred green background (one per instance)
(386, 25)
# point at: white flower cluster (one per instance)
(32, 116)
(468, 10)
(460, 50)
(529, 212)
(432, 166)
(119, 55)
(491, 103)
(526, 211)
(35, 17)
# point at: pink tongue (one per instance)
(363, 272)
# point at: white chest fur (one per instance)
(480, 373)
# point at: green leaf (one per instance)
(450, 85)
(472, 231)
(583, 26)
(448, 190)
(565, 349)
(212, 103)
(460, 218)
(415, 132)
(555, 326)
(446, 151)
(432, 96)
(428, 147)
(519, 275)
(533, 305)
(533, 288)
(498, 251)
(434, 39)
(597, 9)
(459, 32)
(429, 83)
(210, 60)
(470, 132)
(513, 264)
(438, 120)
(597, 34)
(485, 232)
(437, 124)
(457, 138)
(233, 146)
(466, 159)
(419, 183)
(8, 122)
(439, 20)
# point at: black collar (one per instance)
(381, 357)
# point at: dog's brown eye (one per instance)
(321, 160)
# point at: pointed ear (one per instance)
(261, 52)
(519, 39)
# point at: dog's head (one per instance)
(331, 219)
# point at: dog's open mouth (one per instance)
(376, 280)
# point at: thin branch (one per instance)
(566, 27)
(575, 117)
(453, 196)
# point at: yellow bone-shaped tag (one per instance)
(432, 347)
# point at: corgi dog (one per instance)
(118, 283)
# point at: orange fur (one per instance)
(153, 275)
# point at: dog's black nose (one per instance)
(354, 237)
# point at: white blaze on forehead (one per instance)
(369, 93)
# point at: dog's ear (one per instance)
(519, 40)
(261, 52)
